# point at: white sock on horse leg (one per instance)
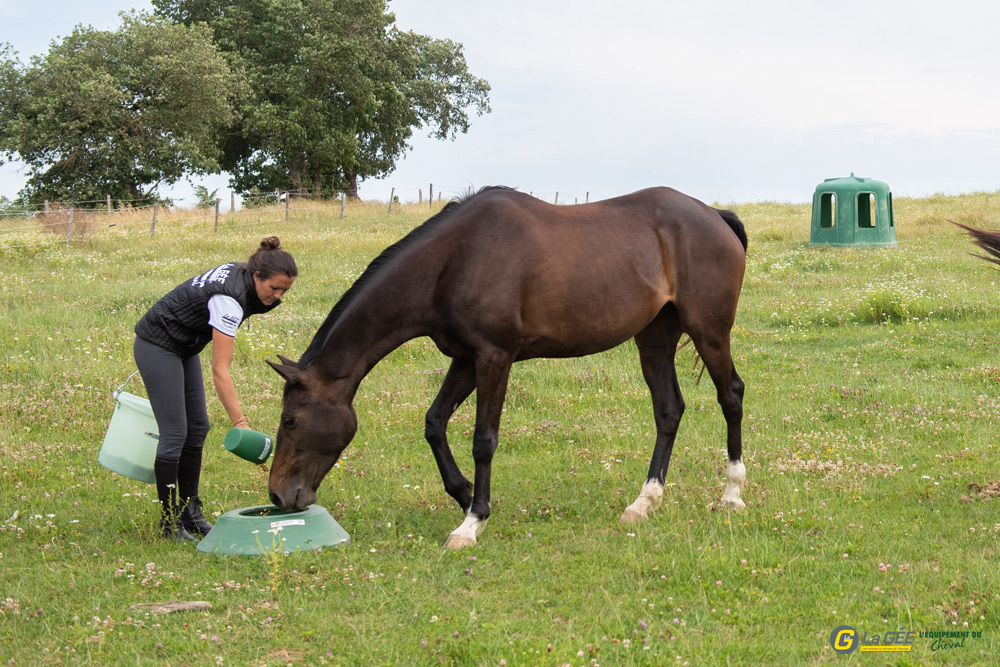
(736, 475)
(649, 499)
(465, 535)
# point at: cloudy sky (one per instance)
(729, 101)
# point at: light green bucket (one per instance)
(129, 446)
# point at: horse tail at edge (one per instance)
(986, 239)
(735, 224)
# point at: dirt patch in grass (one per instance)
(285, 655)
(991, 490)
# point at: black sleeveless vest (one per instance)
(179, 321)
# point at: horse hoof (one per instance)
(459, 542)
(733, 503)
(631, 516)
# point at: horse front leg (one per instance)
(492, 373)
(458, 384)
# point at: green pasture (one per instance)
(871, 426)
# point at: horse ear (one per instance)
(290, 372)
(288, 362)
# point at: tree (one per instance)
(116, 112)
(204, 197)
(10, 91)
(336, 90)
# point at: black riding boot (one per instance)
(188, 479)
(192, 519)
(171, 526)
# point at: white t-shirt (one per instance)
(225, 314)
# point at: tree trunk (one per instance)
(352, 187)
(295, 174)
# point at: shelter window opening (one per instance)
(828, 210)
(867, 210)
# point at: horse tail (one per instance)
(735, 224)
(986, 239)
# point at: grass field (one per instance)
(871, 425)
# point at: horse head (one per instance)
(316, 426)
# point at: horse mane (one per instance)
(986, 239)
(735, 224)
(425, 228)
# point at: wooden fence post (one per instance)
(69, 227)
(216, 215)
(391, 196)
(557, 199)
(152, 225)
(420, 196)
(343, 204)
(430, 196)
(109, 203)
(287, 197)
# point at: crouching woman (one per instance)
(208, 308)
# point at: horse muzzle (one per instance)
(295, 498)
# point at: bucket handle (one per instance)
(121, 388)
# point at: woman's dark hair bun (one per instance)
(270, 259)
(270, 243)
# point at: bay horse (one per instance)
(500, 277)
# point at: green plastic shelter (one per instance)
(852, 211)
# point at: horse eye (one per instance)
(288, 422)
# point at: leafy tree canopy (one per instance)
(336, 90)
(116, 112)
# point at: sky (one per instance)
(726, 100)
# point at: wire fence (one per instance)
(75, 221)
(24, 229)
(386, 194)
(112, 206)
(253, 200)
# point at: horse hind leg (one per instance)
(736, 472)
(657, 345)
(729, 390)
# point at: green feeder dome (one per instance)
(257, 531)
(852, 211)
